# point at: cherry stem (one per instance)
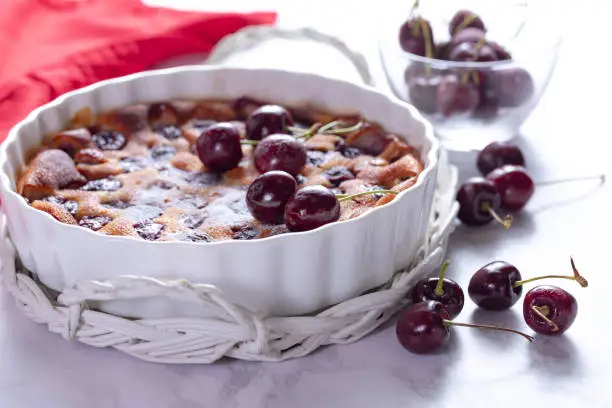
(576, 277)
(506, 221)
(542, 312)
(600, 177)
(308, 133)
(329, 128)
(439, 291)
(249, 142)
(415, 6)
(487, 326)
(428, 45)
(344, 197)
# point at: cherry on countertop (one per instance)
(549, 310)
(441, 289)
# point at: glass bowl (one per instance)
(471, 104)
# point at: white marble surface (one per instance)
(568, 134)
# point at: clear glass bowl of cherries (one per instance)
(476, 73)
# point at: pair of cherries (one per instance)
(424, 327)
(219, 147)
(273, 198)
(506, 185)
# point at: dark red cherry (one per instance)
(479, 202)
(494, 286)
(514, 86)
(310, 208)
(501, 52)
(549, 310)
(470, 51)
(465, 19)
(423, 92)
(470, 35)
(268, 120)
(268, 194)
(441, 289)
(455, 96)
(488, 106)
(109, 140)
(514, 185)
(280, 152)
(416, 37)
(498, 154)
(219, 148)
(421, 328)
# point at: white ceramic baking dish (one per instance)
(289, 274)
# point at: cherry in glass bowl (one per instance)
(474, 93)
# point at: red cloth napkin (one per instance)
(50, 47)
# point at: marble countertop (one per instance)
(568, 134)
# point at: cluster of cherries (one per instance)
(273, 197)
(424, 327)
(469, 90)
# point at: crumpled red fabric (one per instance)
(49, 47)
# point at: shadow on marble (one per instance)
(555, 356)
(505, 318)
(473, 239)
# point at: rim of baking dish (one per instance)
(5, 183)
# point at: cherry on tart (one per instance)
(498, 154)
(549, 310)
(479, 203)
(514, 185)
(280, 152)
(268, 120)
(219, 147)
(441, 289)
(425, 327)
(310, 208)
(465, 19)
(314, 206)
(498, 285)
(416, 37)
(268, 194)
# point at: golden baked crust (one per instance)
(151, 184)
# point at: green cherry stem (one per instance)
(345, 197)
(439, 290)
(506, 221)
(329, 128)
(575, 277)
(248, 142)
(488, 326)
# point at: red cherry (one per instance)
(416, 37)
(441, 289)
(497, 154)
(549, 310)
(514, 185)
(464, 19)
(280, 152)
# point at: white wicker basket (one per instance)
(228, 329)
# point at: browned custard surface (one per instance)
(134, 171)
